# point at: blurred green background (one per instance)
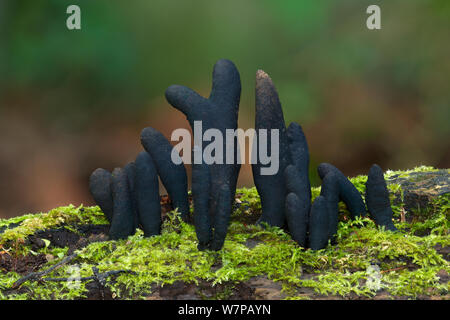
(72, 101)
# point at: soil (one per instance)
(21, 264)
(203, 290)
(60, 237)
(444, 251)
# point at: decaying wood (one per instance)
(418, 190)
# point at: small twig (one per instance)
(395, 269)
(4, 251)
(33, 276)
(403, 215)
(100, 282)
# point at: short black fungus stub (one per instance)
(319, 224)
(330, 192)
(100, 188)
(377, 198)
(123, 222)
(129, 197)
(147, 195)
(347, 191)
(297, 219)
(173, 175)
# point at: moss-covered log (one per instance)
(255, 262)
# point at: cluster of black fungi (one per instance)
(129, 196)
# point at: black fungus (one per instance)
(285, 195)
(297, 218)
(129, 197)
(200, 188)
(222, 217)
(330, 192)
(130, 171)
(100, 188)
(269, 115)
(213, 182)
(147, 195)
(297, 182)
(319, 224)
(347, 191)
(173, 175)
(299, 151)
(123, 221)
(377, 198)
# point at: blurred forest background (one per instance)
(72, 101)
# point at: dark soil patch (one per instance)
(180, 290)
(409, 264)
(444, 251)
(443, 276)
(21, 264)
(63, 237)
(251, 243)
(98, 292)
(9, 226)
(251, 215)
(262, 288)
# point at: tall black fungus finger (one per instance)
(122, 224)
(172, 174)
(202, 219)
(130, 171)
(100, 188)
(347, 191)
(330, 192)
(147, 195)
(297, 218)
(298, 147)
(222, 218)
(270, 181)
(211, 174)
(221, 108)
(377, 198)
(292, 177)
(319, 224)
(297, 180)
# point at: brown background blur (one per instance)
(72, 101)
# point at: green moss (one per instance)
(413, 283)
(247, 204)
(405, 264)
(66, 216)
(405, 173)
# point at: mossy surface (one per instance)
(366, 262)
